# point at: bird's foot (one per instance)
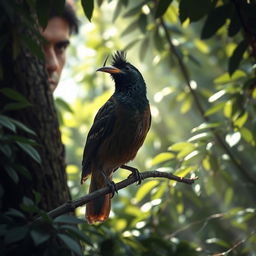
(111, 184)
(113, 188)
(135, 172)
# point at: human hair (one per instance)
(69, 15)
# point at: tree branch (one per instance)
(200, 108)
(70, 206)
(238, 243)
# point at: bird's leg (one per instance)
(134, 171)
(111, 184)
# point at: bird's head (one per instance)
(125, 75)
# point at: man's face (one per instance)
(57, 35)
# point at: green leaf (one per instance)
(145, 189)
(31, 151)
(143, 48)
(247, 135)
(226, 78)
(16, 106)
(23, 127)
(162, 7)
(88, 6)
(217, 95)
(205, 126)
(15, 234)
(192, 155)
(142, 23)
(237, 56)
(58, 6)
(134, 10)
(217, 241)
(42, 10)
(12, 173)
(131, 44)
(15, 213)
(195, 60)
(158, 40)
(71, 243)
(194, 10)
(68, 219)
(130, 28)
(162, 157)
(23, 171)
(185, 151)
(228, 109)
(181, 146)
(14, 95)
(7, 122)
(216, 18)
(228, 196)
(62, 104)
(39, 236)
(239, 122)
(15, 138)
(200, 136)
(27, 201)
(215, 108)
(117, 11)
(6, 150)
(14, 124)
(37, 197)
(161, 189)
(77, 233)
(184, 171)
(235, 24)
(186, 105)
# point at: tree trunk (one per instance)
(27, 75)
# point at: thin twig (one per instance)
(238, 243)
(70, 206)
(205, 221)
(199, 106)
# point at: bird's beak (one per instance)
(110, 70)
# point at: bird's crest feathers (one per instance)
(119, 59)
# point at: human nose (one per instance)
(51, 59)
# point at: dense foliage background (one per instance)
(198, 60)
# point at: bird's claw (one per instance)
(111, 184)
(135, 173)
(113, 188)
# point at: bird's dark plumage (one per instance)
(118, 131)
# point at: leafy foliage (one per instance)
(201, 129)
(196, 57)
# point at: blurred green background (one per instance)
(203, 124)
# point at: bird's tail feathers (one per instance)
(98, 209)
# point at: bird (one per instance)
(118, 131)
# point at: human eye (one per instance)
(61, 46)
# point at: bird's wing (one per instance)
(100, 130)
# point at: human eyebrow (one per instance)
(63, 44)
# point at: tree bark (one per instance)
(27, 75)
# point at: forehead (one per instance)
(56, 30)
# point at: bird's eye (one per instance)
(127, 68)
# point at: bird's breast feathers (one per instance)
(127, 136)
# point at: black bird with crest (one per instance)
(118, 131)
